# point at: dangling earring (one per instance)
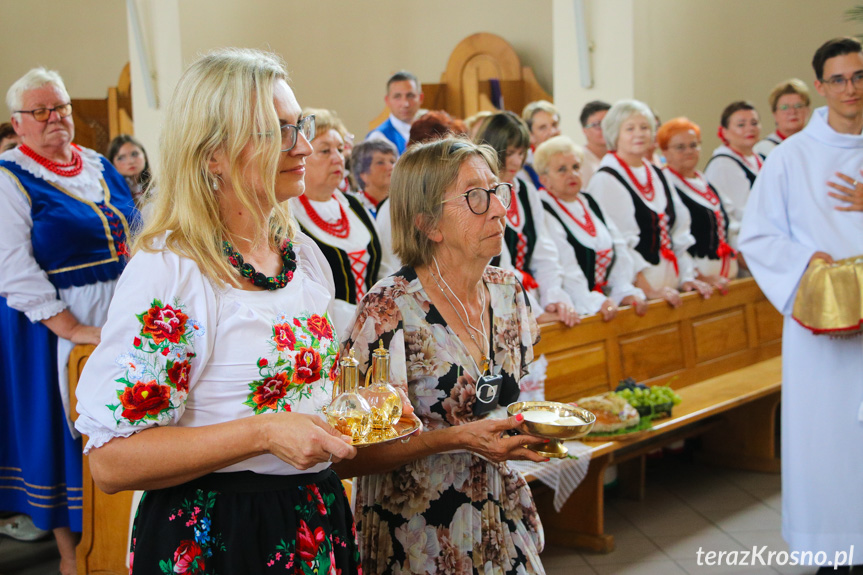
(215, 183)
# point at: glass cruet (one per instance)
(385, 401)
(349, 413)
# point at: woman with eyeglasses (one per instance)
(128, 156)
(527, 248)
(714, 260)
(460, 333)
(789, 102)
(735, 164)
(66, 218)
(219, 352)
(597, 268)
(339, 224)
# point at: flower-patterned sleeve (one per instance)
(379, 318)
(155, 343)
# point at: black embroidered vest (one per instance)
(704, 226)
(586, 256)
(340, 263)
(750, 175)
(510, 236)
(649, 239)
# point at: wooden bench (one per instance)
(720, 355)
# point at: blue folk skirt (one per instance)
(40, 461)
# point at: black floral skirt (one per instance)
(227, 523)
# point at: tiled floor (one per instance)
(688, 506)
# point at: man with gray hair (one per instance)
(372, 163)
(404, 98)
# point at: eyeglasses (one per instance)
(838, 83)
(797, 106)
(683, 147)
(42, 114)
(479, 199)
(592, 125)
(291, 132)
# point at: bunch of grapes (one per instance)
(642, 396)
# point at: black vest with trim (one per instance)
(586, 256)
(704, 227)
(340, 263)
(747, 171)
(510, 236)
(650, 237)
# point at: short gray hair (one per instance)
(35, 78)
(420, 179)
(621, 112)
(363, 153)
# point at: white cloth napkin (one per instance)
(561, 475)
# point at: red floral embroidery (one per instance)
(164, 323)
(284, 337)
(271, 391)
(320, 327)
(188, 558)
(308, 542)
(179, 375)
(144, 399)
(335, 369)
(308, 365)
(315, 494)
(263, 362)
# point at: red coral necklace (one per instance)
(341, 228)
(68, 170)
(746, 160)
(707, 194)
(645, 190)
(588, 224)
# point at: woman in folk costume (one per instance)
(340, 225)
(734, 165)
(527, 248)
(789, 101)
(218, 357)
(799, 219)
(67, 213)
(597, 267)
(714, 259)
(636, 196)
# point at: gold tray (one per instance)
(403, 427)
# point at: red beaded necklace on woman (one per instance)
(645, 190)
(341, 228)
(588, 224)
(745, 160)
(707, 194)
(68, 170)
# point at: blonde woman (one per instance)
(218, 352)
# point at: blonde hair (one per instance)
(223, 102)
(621, 112)
(790, 86)
(551, 147)
(420, 179)
(538, 106)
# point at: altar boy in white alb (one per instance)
(794, 216)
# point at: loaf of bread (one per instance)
(612, 412)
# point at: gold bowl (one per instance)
(551, 431)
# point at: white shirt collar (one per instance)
(403, 128)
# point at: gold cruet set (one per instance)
(372, 413)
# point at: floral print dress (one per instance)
(178, 350)
(453, 512)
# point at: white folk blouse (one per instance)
(179, 350)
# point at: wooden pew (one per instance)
(721, 356)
